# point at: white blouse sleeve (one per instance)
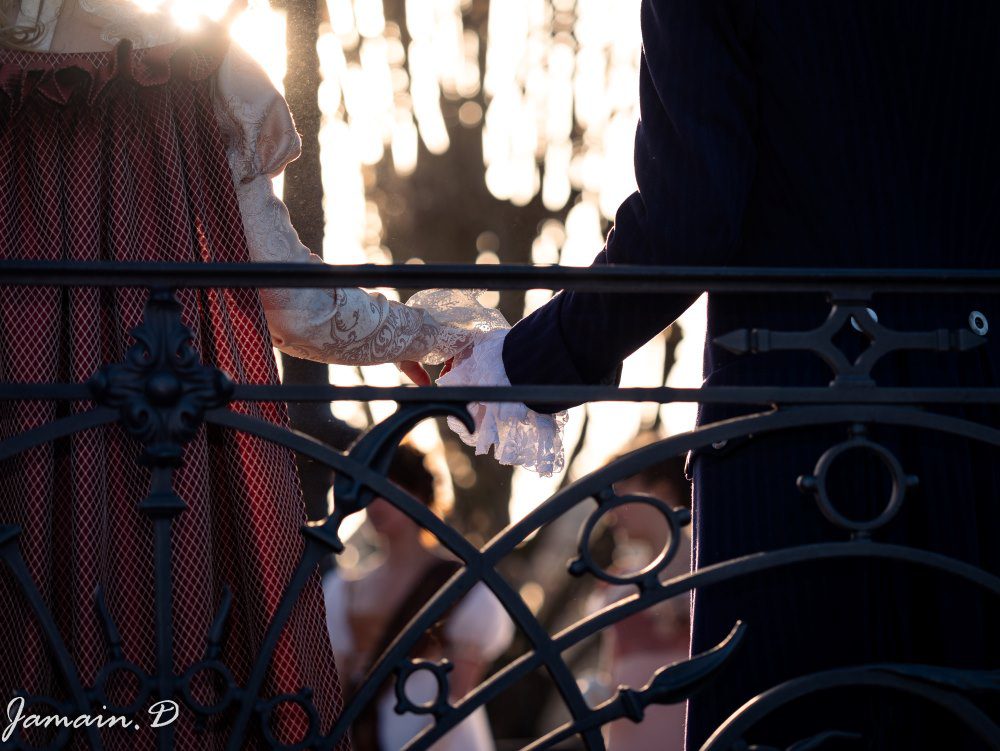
(335, 600)
(480, 625)
(347, 326)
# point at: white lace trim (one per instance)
(459, 308)
(521, 437)
(127, 20)
(461, 319)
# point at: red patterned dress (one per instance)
(122, 155)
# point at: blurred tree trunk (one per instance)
(437, 214)
(301, 191)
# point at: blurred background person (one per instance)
(369, 606)
(635, 648)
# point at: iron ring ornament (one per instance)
(439, 669)
(817, 483)
(211, 664)
(119, 667)
(303, 702)
(220, 671)
(648, 577)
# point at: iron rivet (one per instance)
(978, 323)
(854, 323)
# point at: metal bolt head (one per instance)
(979, 323)
(163, 388)
(857, 327)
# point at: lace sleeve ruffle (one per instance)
(519, 436)
(347, 326)
(145, 27)
(255, 119)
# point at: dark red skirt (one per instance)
(117, 156)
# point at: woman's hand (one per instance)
(415, 372)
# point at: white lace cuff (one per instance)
(459, 319)
(521, 436)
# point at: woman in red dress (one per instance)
(123, 140)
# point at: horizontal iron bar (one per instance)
(563, 394)
(44, 392)
(603, 278)
(753, 395)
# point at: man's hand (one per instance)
(415, 372)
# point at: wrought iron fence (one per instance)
(163, 393)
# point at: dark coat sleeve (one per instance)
(694, 164)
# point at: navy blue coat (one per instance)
(846, 133)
